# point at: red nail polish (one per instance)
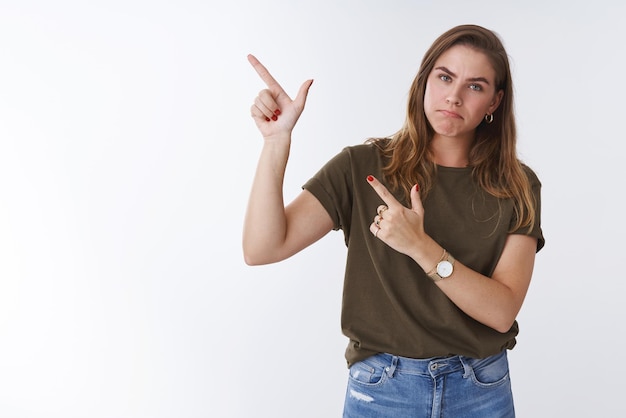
(267, 119)
(277, 112)
(417, 187)
(370, 178)
(274, 118)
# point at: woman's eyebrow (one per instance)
(482, 79)
(473, 79)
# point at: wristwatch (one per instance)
(444, 268)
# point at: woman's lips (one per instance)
(450, 114)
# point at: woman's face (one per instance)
(460, 91)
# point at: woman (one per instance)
(442, 223)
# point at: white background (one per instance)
(127, 153)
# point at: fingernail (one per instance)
(267, 119)
(277, 112)
(274, 118)
(417, 187)
(370, 178)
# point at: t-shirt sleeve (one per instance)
(536, 230)
(332, 186)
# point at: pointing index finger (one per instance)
(382, 191)
(265, 75)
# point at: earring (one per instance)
(489, 117)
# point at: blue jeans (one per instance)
(442, 387)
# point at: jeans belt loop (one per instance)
(391, 369)
(467, 369)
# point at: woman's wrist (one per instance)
(428, 254)
(277, 138)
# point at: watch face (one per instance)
(444, 269)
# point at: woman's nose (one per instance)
(453, 97)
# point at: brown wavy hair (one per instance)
(493, 154)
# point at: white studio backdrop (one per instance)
(126, 157)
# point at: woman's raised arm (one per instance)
(273, 232)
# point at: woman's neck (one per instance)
(451, 151)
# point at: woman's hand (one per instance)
(399, 227)
(274, 113)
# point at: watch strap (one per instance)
(434, 274)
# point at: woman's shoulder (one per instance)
(372, 147)
(367, 147)
(360, 153)
(530, 173)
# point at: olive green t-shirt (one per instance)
(389, 303)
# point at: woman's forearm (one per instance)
(265, 223)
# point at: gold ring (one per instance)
(376, 233)
(381, 209)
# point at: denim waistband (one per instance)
(430, 366)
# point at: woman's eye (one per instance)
(444, 77)
(476, 87)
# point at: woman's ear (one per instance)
(496, 101)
